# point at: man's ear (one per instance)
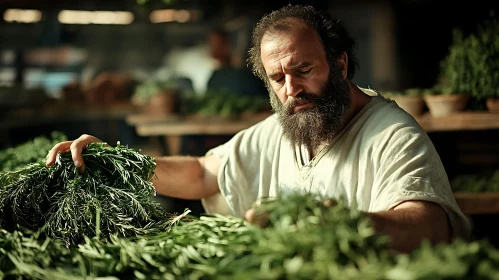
(343, 64)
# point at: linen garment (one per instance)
(380, 159)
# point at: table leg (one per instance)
(172, 145)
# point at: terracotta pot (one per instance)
(493, 105)
(413, 105)
(443, 105)
(163, 102)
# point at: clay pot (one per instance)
(413, 105)
(162, 103)
(493, 105)
(443, 105)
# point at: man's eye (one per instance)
(306, 71)
(278, 79)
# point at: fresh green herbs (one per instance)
(31, 151)
(65, 205)
(59, 224)
(304, 240)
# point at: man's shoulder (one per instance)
(384, 115)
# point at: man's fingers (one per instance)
(330, 203)
(61, 147)
(250, 215)
(258, 218)
(76, 148)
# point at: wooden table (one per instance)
(104, 118)
(478, 203)
(173, 127)
(460, 121)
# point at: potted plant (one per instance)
(452, 92)
(411, 100)
(156, 97)
(484, 53)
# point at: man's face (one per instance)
(310, 96)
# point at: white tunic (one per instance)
(380, 159)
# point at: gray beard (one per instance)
(319, 123)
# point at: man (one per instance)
(327, 136)
(226, 76)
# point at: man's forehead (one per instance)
(300, 40)
(287, 26)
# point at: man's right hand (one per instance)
(75, 146)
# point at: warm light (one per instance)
(182, 16)
(24, 16)
(170, 15)
(159, 16)
(95, 17)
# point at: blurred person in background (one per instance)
(226, 76)
(328, 137)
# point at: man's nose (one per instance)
(293, 86)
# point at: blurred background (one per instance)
(93, 53)
(159, 74)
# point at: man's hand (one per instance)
(75, 146)
(255, 217)
(260, 217)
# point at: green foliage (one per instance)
(455, 67)
(414, 92)
(147, 89)
(58, 224)
(305, 240)
(472, 64)
(459, 260)
(29, 152)
(485, 57)
(65, 205)
(226, 104)
(486, 181)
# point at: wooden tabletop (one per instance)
(161, 124)
(171, 125)
(460, 121)
(65, 111)
(478, 203)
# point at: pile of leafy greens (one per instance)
(31, 151)
(310, 241)
(59, 224)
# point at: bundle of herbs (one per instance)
(115, 189)
(31, 151)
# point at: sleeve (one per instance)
(239, 178)
(409, 168)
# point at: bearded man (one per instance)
(328, 137)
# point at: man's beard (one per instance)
(319, 123)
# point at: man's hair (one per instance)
(332, 33)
